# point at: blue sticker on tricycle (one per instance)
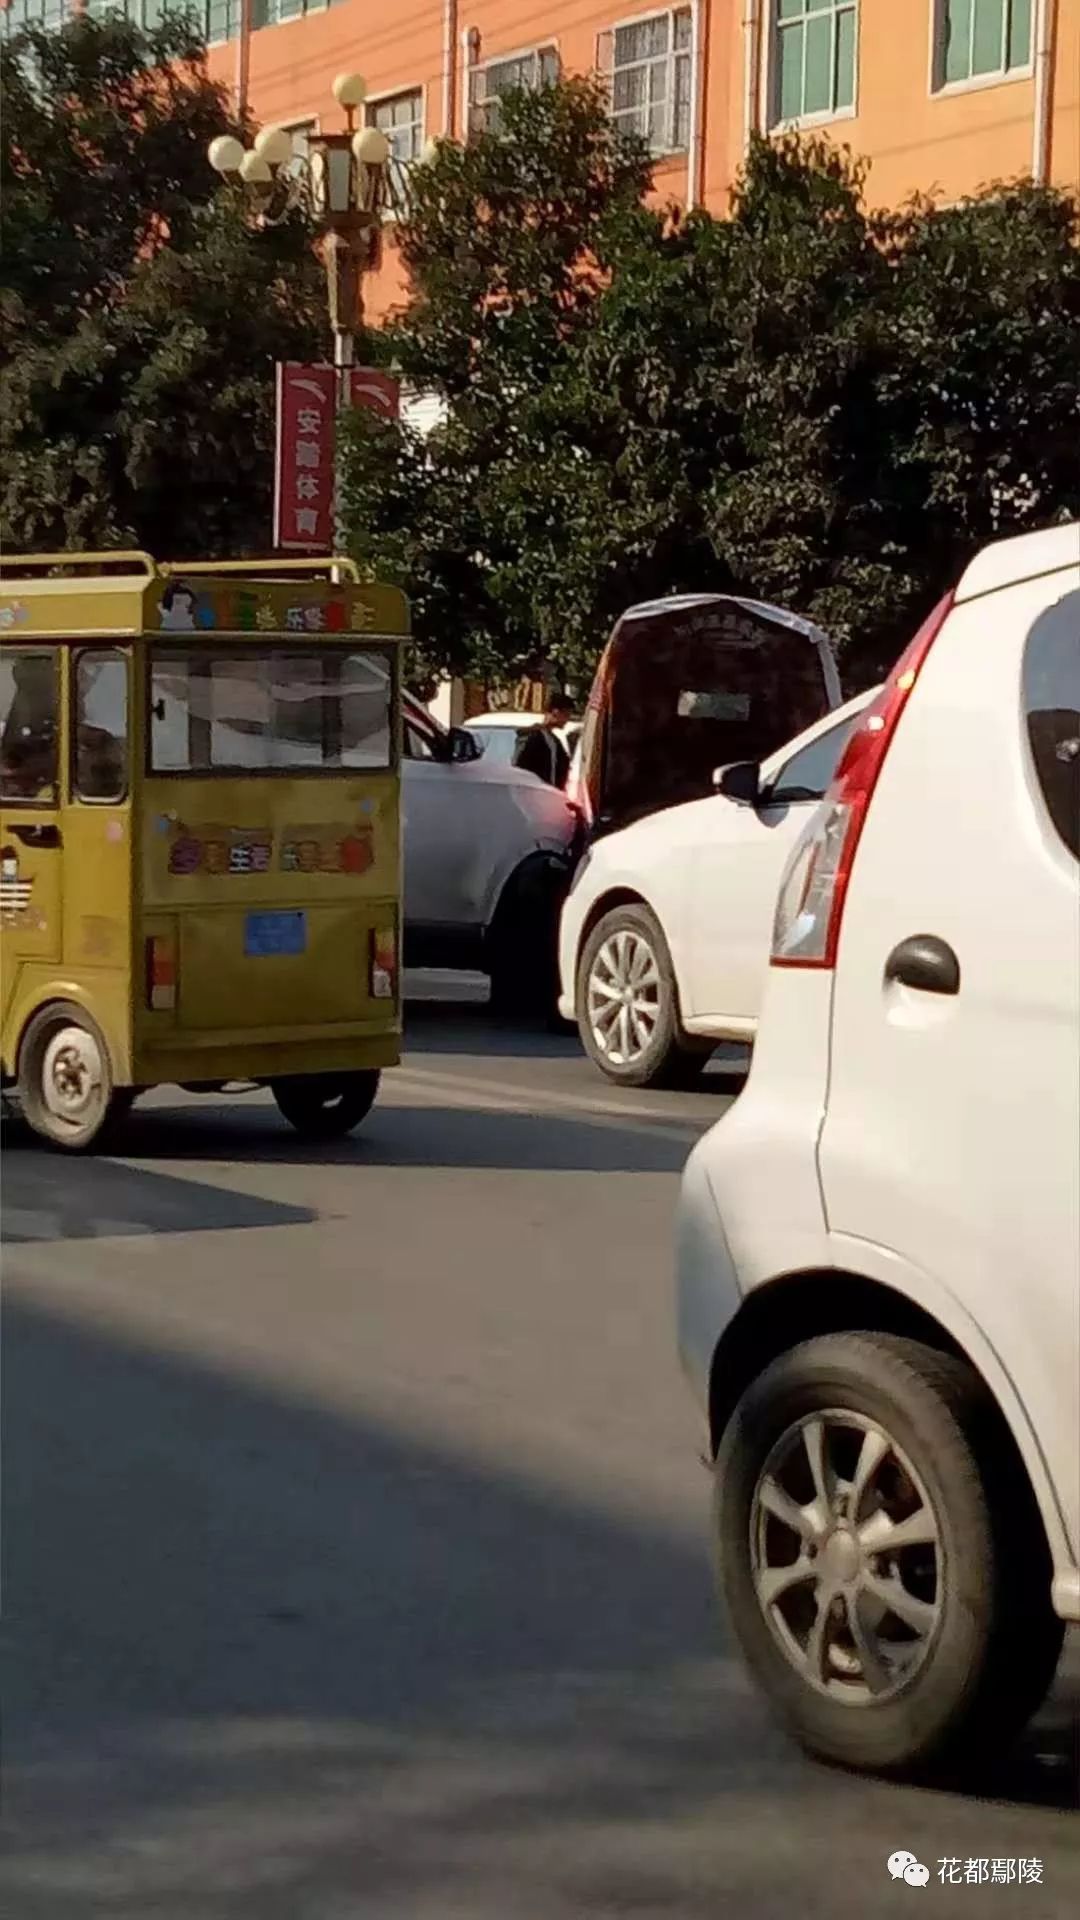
(270, 933)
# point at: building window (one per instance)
(53, 13)
(35, 13)
(218, 19)
(814, 59)
(401, 118)
(651, 80)
(982, 39)
(270, 13)
(488, 85)
(301, 131)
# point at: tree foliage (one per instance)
(807, 401)
(141, 316)
(508, 243)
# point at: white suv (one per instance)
(879, 1246)
(487, 862)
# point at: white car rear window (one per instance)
(1051, 693)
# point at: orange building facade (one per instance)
(939, 95)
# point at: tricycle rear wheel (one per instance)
(325, 1106)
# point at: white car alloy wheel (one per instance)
(846, 1556)
(73, 1081)
(884, 1570)
(624, 997)
(628, 1002)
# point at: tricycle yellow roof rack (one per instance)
(266, 568)
(134, 558)
(126, 593)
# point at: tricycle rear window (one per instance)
(213, 710)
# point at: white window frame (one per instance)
(307, 6)
(672, 57)
(824, 116)
(57, 16)
(301, 127)
(398, 168)
(975, 82)
(50, 20)
(135, 11)
(201, 9)
(476, 109)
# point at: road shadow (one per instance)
(53, 1198)
(50, 1197)
(451, 1026)
(454, 1027)
(251, 1133)
(270, 1662)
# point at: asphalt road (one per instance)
(356, 1544)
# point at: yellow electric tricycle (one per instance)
(200, 841)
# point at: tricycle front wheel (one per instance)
(65, 1087)
(325, 1106)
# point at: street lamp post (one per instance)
(341, 183)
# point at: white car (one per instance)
(879, 1245)
(503, 733)
(664, 938)
(487, 861)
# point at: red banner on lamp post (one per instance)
(372, 388)
(304, 462)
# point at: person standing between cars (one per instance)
(542, 751)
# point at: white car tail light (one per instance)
(810, 904)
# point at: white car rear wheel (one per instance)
(881, 1556)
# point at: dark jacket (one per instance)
(543, 753)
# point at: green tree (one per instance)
(806, 401)
(508, 242)
(978, 401)
(141, 316)
(906, 386)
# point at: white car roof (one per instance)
(1007, 562)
